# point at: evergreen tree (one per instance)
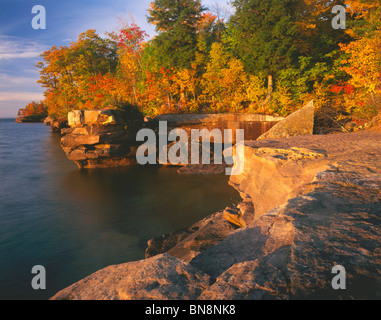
(176, 24)
(263, 35)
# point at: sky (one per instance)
(21, 44)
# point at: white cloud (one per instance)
(18, 48)
(9, 81)
(20, 96)
(11, 102)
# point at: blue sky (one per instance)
(21, 45)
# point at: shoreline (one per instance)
(332, 187)
(305, 198)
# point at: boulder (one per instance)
(91, 117)
(299, 123)
(75, 118)
(375, 123)
(72, 141)
(48, 121)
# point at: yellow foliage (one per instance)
(255, 89)
(364, 67)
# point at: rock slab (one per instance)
(298, 123)
(162, 277)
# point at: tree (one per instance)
(176, 23)
(224, 79)
(131, 49)
(67, 72)
(316, 37)
(364, 57)
(35, 109)
(264, 33)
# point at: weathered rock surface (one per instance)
(375, 124)
(333, 219)
(298, 123)
(56, 125)
(187, 243)
(273, 174)
(107, 137)
(161, 277)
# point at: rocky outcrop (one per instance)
(107, 138)
(274, 173)
(332, 218)
(101, 138)
(56, 124)
(298, 123)
(253, 126)
(188, 243)
(309, 203)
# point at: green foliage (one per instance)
(263, 34)
(176, 23)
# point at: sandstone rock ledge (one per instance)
(101, 138)
(309, 203)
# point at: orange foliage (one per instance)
(35, 109)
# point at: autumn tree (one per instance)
(130, 52)
(363, 62)
(224, 80)
(36, 109)
(316, 37)
(67, 73)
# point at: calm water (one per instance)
(74, 222)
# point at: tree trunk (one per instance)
(269, 89)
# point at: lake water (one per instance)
(75, 222)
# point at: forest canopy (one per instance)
(267, 57)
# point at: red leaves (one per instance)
(338, 88)
(35, 109)
(131, 38)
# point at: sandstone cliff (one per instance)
(101, 138)
(108, 137)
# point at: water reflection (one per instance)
(147, 198)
